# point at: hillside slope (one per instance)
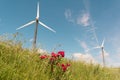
(17, 63)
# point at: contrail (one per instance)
(94, 32)
(87, 8)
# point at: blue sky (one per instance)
(78, 25)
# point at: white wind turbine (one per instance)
(36, 27)
(102, 50)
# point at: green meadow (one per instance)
(18, 63)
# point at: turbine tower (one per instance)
(102, 50)
(37, 21)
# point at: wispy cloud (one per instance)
(83, 19)
(68, 15)
(42, 51)
(88, 58)
(83, 44)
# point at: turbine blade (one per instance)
(25, 25)
(47, 27)
(96, 47)
(37, 10)
(93, 48)
(102, 45)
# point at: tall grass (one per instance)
(17, 63)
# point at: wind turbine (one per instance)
(37, 21)
(102, 50)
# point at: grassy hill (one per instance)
(17, 63)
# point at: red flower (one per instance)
(64, 68)
(61, 53)
(43, 56)
(62, 65)
(67, 64)
(54, 55)
(52, 59)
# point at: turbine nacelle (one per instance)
(37, 20)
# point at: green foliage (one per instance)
(17, 63)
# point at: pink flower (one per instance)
(61, 53)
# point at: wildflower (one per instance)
(64, 67)
(67, 64)
(54, 55)
(52, 59)
(61, 53)
(43, 56)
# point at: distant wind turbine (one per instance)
(103, 51)
(36, 27)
